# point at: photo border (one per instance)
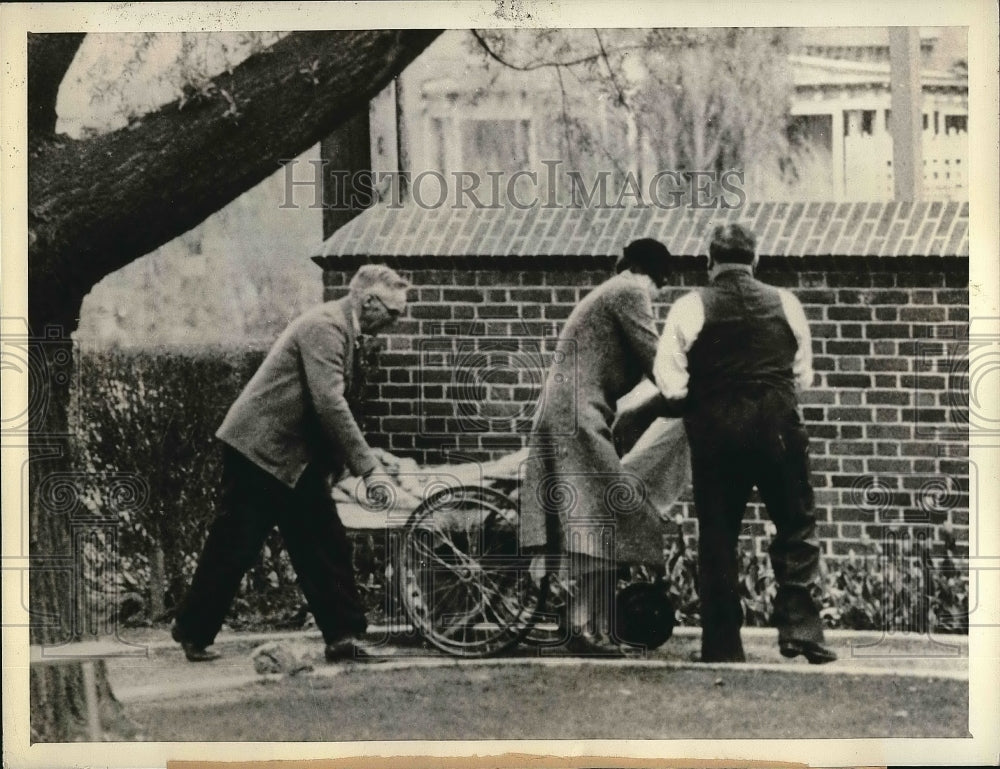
(984, 638)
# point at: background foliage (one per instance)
(894, 586)
(151, 415)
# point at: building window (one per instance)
(496, 145)
(480, 144)
(868, 121)
(815, 131)
(956, 123)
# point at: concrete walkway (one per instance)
(155, 669)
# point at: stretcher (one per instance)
(454, 561)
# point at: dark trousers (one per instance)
(253, 502)
(738, 443)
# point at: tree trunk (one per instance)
(158, 584)
(58, 588)
(96, 205)
(56, 694)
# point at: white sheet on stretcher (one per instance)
(660, 458)
(419, 483)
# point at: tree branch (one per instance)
(96, 205)
(611, 72)
(542, 65)
(569, 65)
(49, 57)
(565, 118)
(529, 67)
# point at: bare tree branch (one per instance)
(95, 205)
(570, 66)
(611, 72)
(529, 67)
(548, 64)
(565, 117)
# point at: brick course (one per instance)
(887, 418)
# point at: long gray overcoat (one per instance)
(574, 489)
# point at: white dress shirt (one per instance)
(685, 321)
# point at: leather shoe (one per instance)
(347, 650)
(588, 644)
(198, 653)
(816, 653)
(193, 652)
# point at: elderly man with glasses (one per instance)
(289, 430)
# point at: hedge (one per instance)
(148, 417)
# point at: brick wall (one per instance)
(461, 377)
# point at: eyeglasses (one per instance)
(392, 312)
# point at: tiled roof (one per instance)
(884, 229)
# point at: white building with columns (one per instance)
(842, 108)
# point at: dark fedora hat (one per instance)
(645, 255)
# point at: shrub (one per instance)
(145, 436)
(150, 416)
(146, 420)
(895, 586)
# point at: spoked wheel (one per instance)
(464, 585)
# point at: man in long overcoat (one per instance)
(576, 497)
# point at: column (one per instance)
(907, 112)
(837, 153)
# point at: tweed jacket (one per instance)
(294, 411)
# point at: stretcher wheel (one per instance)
(465, 586)
(644, 615)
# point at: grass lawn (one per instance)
(587, 702)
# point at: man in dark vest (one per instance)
(735, 353)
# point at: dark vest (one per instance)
(746, 345)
